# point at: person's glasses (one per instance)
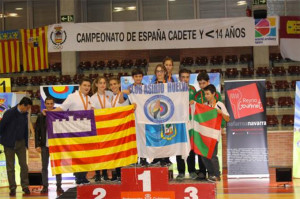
(159, 71)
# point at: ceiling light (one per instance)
(172, 0)
(18, 8)
(241, 3)
(131, 8)
(118, 9)
(12, 14)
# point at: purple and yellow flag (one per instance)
(91, 140)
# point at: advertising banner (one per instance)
(170, 34)
(247, 152)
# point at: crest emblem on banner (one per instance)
(168, 131)
(58, 36)
(159, 109)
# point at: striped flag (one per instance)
(206, 130)
(35, 49)
(91, 140)
(9, 52)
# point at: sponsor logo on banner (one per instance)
(293, 27)
(243, 102)
(159, 109)
(265, 30)
(58, 36)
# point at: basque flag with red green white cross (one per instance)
(206, 130)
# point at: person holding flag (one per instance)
(101, 99)
(212, 164)
(203, 81)
(80, 100)
(184, 76)
(137, 76)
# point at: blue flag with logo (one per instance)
(165, 134)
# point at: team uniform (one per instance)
(212, 164)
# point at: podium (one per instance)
(148, 183)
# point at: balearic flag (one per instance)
(9, 52)
(206, 130)
(35, 49)
(91, 140)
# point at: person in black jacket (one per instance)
(14, 138)
(41, 144)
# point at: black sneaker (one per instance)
(212, 178)
(78, 182)
(12, 192)
(156, 164)
(200, 177)
(85, 181)
(144, 163)
(180, 177)
(26, 190)
(44, 190)
(97, 178)
(163, 163)
(105, 178)
(59, 189)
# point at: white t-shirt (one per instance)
(95, 101)
(115, 101)
(74, 102)
(222, 107)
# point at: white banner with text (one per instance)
(196, 33)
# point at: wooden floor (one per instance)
(264, 188)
